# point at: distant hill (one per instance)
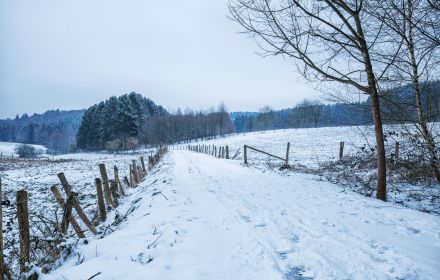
(55, 129)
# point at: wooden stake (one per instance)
(287, 153)
(64, 183)
(143, 165)
(2, 270)
(108, 197)
(245, 154)
(23, 225)
(121, 188)
(114, 191)
(341, 150)
(76, 204)
(83, 216)
(396, 151)
(60, 200)
(101, 205)
(131, 176)
(67, 215)
(135, 175)
(227, 152)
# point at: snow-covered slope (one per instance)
(8, 148)
(198, 217)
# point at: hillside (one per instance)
(55, 129)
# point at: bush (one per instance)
(26, 151)
(132, 143)
(113, 146)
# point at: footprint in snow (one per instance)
(413, 230)
(295, 273)
(246, 219)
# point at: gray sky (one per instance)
(72, 54)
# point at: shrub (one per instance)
(26, 151)
(113, 146)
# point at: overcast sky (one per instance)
(72, 54)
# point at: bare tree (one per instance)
(329, 41)
(406, 23)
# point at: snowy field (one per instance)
(313, 147)
(8, 149)
(218, 219)
(38, 175)
(308, 146)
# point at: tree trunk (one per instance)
(381, 184)
(381, 187)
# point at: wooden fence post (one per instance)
(135, 175)
(341, 150)
(131, 175)
(287, 153)
(76, 204)
(23, 225)
(396, 151)
(2, 270)
(101, 205)
(60, 200)
(118, 181)
(67, 213)
(114, 191)
(64, 182)
(143, 165)
(108, 197)
(245, 154)
(81, 213)
(227, 152)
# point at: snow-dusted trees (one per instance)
(116, 118)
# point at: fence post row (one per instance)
(111, 194)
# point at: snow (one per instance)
(198, 217)
(308, 146)
(8, 148)
(38, 175)
(312, 148)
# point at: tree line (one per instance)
(54, 129)
(130, 120)
(183, 127)
(397, 106)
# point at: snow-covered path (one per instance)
(218, 219)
